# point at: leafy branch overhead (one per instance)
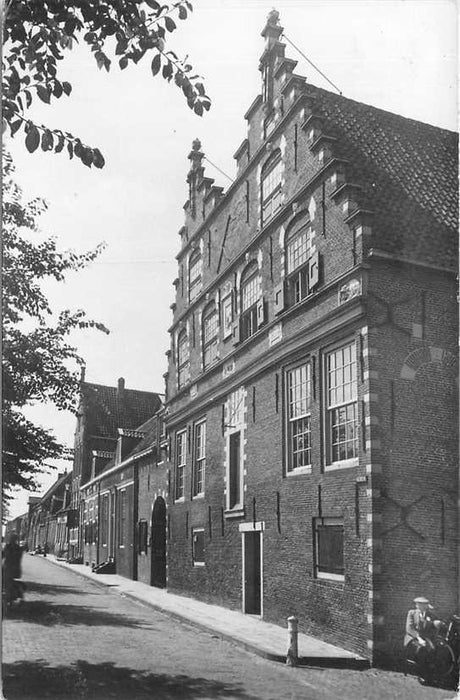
(37, 34)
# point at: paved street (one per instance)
(74, 639)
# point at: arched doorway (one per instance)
(158, 544)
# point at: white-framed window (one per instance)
(183, 359)
(199, 457)
(180, 464)
(299, 397)
(210, 335)
(271, 186)
(122, 518)
(195, 271)
(234, 485)
(250, 296)
(341, 406)
(227, 315)
(104, 519)
(198, 546)
(299, 252)
(329, 550)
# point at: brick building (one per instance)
(124, 507)
(311, 396)
(103, 410)
(44, 527)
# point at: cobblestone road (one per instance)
(74, 639)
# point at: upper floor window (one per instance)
(299, 395)
(199, 458)
(341, 405)
(249, 301)
(299, 251)
(210, 340)
(183, 359)
(271, 186)
(195, 275)
(181, 459)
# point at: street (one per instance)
(74, 639)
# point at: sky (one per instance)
(398, 55)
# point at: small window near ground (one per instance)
(329, 559)
(198, 546)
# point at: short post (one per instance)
(292, 658)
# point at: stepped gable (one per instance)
(110, 408)
(408, 171)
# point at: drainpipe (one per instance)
(135, 519)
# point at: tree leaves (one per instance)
(37, 35)
(156, 64)
(32, 139)
(40, 364)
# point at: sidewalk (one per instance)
(262, 638)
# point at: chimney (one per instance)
(121, 387)
(82, 373)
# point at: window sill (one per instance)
(179, 500)
(299, 471)
(198, 496)
(346, 464)
(322, 576)
(198, 564)
(236, 512)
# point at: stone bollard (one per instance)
(292, 658)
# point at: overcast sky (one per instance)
(398, 55)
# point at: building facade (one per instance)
(103, 410)
(311, 396)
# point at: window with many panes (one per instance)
(183, 359)
(271, 186)
(298, 386)
(342, 404)
(198, 546)
(199, 457)
(298, 254)
(104, 519)
(249, 299)
(181, 458)
(329, 558)
(195, 275)
(122, 519)
(210, 340)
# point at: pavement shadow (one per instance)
(43, 613)
(33, 680)
(53, 589)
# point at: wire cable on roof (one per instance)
(311, 63)
(217, 168)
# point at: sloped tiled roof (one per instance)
(150, 430)
(61, 481)
(107, 409)
(409, 171)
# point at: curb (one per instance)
(317, 661)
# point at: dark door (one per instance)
(158, 544)
(252, 573)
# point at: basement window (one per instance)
(329, 561)
(198, 546)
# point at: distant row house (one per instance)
(304, 459)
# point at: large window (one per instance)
(235, 496)
(249, 301)
(198, 546)
(199, 458)
(181, 458)
(298, 253)
(195, 275)
(298, 417)
(271, 186)
(122, 519)
(104, 519)
(329, 560)
(210, 340)
(183, 359)
(342, 404)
